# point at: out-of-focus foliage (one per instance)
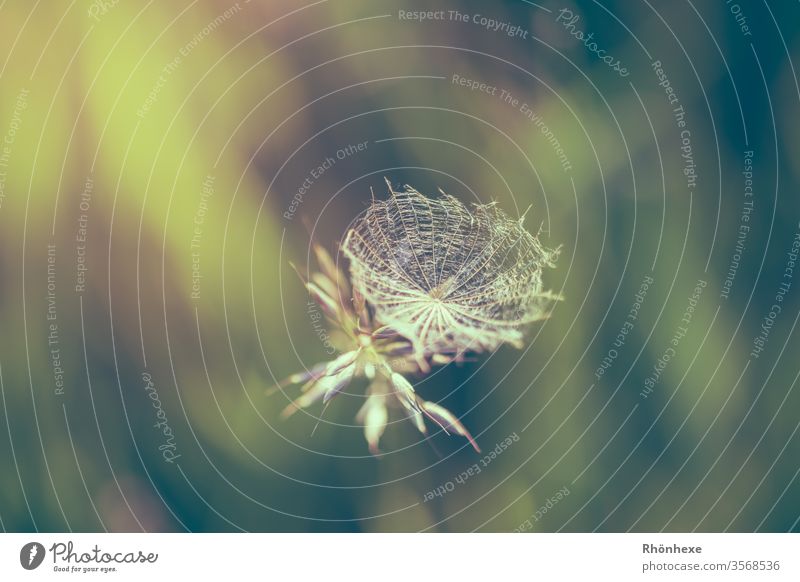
(170, 160)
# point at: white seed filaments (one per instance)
(449, 280)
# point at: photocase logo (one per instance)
(31, 555)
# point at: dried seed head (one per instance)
(447, 279)
(431, 280)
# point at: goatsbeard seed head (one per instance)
(447, 278)
(429, 281)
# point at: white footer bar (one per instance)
(386, 557)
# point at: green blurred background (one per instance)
(152, 154)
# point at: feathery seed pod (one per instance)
(430, 281)
(445, 278)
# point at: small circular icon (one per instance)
(31, 555)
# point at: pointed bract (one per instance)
(330, 269)
(448, 421)
(374, 416)
(335, 384)
(404, 392)
(328, 305)
(341, 362)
